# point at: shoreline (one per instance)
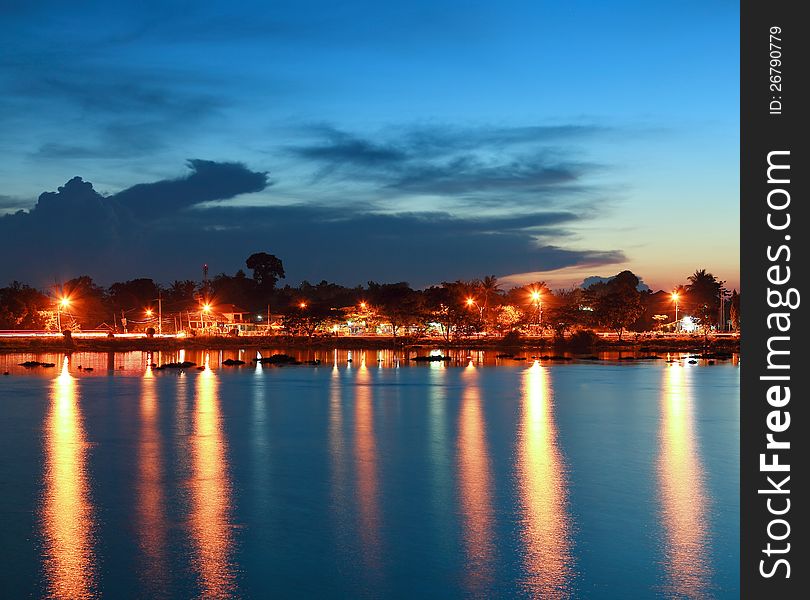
(39, 344)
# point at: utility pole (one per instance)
(160, 313)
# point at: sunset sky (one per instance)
(415, 141)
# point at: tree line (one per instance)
(454, 308)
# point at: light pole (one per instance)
(206, 308)
(538, 306)
(675, 297)
(62, 304)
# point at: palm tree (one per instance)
(704, 292)
(490, 289)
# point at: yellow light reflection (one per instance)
(67, 512)
(475, 480)
(212, 535)
(151, 509)
(365, 451)
(683, 493)
(546, 528)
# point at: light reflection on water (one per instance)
(475, 487)
(476, 479)
(684, 500)
(546, 528)
(67, 511)
(151, 506)
(365, 454)
(211, 530)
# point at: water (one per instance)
(364, 479)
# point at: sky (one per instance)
(388, 141)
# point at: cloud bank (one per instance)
(165, 229)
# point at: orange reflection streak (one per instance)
(546, 529)
(336, 435)
(365, 448)
(682, 487)
(67, 513)
(152, 526)
(210, 491)
(475, 486)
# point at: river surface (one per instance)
(368, 476)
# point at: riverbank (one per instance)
(127, 344)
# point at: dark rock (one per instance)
(230, 362)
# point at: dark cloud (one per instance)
(104, 112)
(347, 149)
(482, 165)
(10, 203)
(208, 181)
(77, 230)
(159, 230)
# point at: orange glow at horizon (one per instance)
(67, 511)
(546, 528)
(475, 481)
(212, 535)
(683, 494)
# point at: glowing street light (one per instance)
(470, 302)
(675, 297)
(362, 306)
(537, 300)
(149, 313)
(204, 309)
(302, 305)
(63, 304)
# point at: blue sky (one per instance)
(554, 140)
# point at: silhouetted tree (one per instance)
(735, 310)
(446, 305)
(566, 311)
(134, 295)
(267, 269)
(88, 303)
(21, 307)
(704, 295)
(396, 304)
(307, 319)
(616, 303)
(238, 290)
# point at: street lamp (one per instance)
(303, 305)
(675, 297)
(538, 305)
(63, 304)
(362, 306)
(149, 313)
(205, 308)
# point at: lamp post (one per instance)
(675, 297)
(537, 299)
(206, 308)
(62, 304)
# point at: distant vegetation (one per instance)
(454, 308)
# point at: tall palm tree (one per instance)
(704, 292)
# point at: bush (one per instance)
(584, 338)
(150, 332)
(68, 335)
(512, 338)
